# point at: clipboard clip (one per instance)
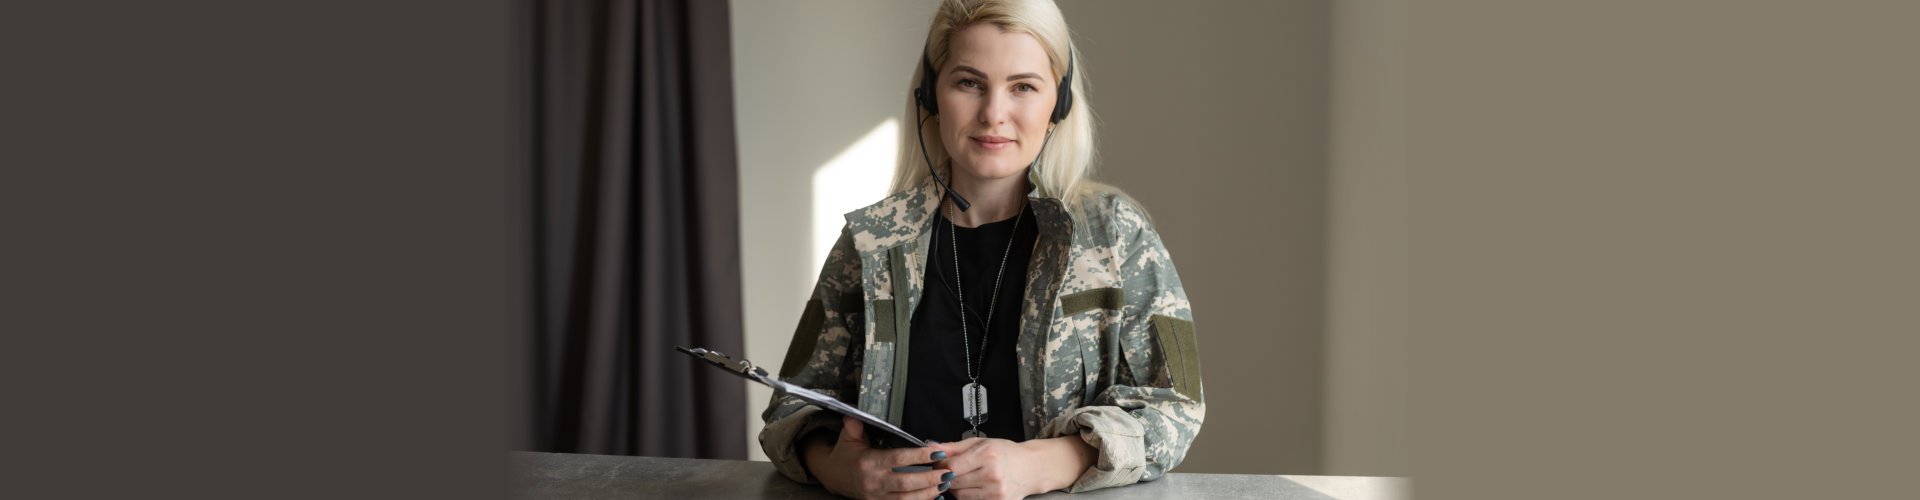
(717, 358)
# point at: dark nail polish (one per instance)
(944, 486)
(939, 455)
(948, 477)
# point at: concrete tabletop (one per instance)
(570, 476)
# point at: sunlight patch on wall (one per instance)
(857, 177)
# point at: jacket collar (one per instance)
(899, 218)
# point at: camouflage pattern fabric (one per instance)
(1106, 348)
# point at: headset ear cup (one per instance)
(925, 97)
(1064, 103)
(924, 94)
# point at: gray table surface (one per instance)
(560, 475)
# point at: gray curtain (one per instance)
(636, 228)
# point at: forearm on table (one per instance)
(1063, 459)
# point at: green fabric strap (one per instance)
(1098, 298)
(897, 396)
(1175, 337)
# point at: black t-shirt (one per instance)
(936, 371)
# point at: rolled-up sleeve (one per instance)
(1142, 424)
(824, 356)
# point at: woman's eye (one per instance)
(1025, 87)
(969, 83)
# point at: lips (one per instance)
(991, 142)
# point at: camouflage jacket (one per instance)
(1106, 348)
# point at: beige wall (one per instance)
(1213, 114)
(1369, 386)
(1664, 249)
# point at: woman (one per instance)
(1027, 317)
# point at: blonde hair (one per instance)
(1067, 161)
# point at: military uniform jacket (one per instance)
(1106, 349)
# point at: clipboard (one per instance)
(746, 370)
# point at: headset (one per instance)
(923, 95)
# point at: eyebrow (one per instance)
(982, 75)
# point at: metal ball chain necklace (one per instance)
(973, 396)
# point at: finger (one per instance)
(962, 463)
(957, 449)
(851, 430)
(961, 446)
(912, 456)
(936, 450)
(973, 480)
(914, 481)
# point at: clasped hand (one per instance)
(974, 468)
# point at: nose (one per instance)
(995, 109)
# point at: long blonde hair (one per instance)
(1067, 161)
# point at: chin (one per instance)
(991, 168)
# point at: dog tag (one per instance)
(973, 403)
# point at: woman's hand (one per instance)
(850, 468)
(988, 468)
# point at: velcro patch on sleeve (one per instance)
(1175, 337)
